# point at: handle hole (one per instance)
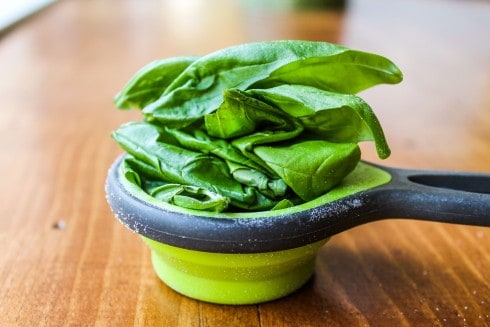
(473, 184)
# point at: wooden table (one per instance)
(65, 260)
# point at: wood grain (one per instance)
(65, 260)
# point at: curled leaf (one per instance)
(191, 197)
(335, 117)
(150, 82)
(311, 168)
(197, 91)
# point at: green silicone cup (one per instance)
(243, 278)
(233, 278)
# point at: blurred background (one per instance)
(425, 38)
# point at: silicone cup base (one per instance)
(235, 279)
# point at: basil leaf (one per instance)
(334, 117)
(255, 121)
(191, 197)
(259, 126)
(150, 82)
(198, 89)
(270, 187)
(244, 170)
(185, 196)
(202, 142)
(173, 164)
(240, 114)
(311, 168)
(349, 71)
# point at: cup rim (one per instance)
(222, 233)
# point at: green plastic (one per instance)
(248, 278)
(233, 278)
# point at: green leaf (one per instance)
(198, 140)
(331, 116)
(350, 71)
(191, 197)
(259, 126)
(255, 121)
(311, 168)
(185, 196)
(171, 163)
(150, 82)
(271, 187)
(240, 115)
(197, 91)
(175, 164)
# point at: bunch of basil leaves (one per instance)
(257, 126)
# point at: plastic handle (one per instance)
(452, 197)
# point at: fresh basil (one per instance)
(336, 117)
(311, 168)
(150, 82)
(198, 89)
(158, 156)
(259, 126)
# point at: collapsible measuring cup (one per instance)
(245, 258)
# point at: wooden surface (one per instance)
(65, 260)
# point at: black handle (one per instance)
(452, 197)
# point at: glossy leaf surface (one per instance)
(258, 126)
